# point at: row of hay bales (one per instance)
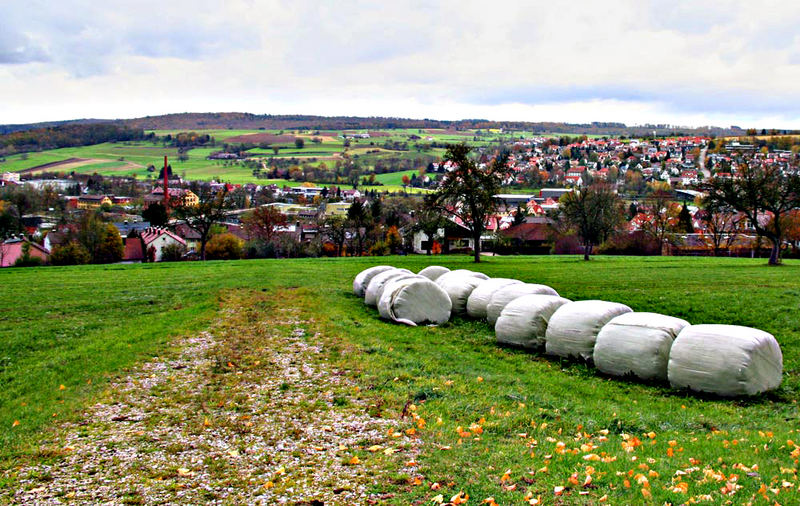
(726, 360)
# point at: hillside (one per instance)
(248, 121)
(488, 421)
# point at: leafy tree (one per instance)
(156, 214)
(26, 260)
(70, 253)
(173, 252)
(210, 210)
(110, 250)
(519, 215)
(335, 229)
(393, 240)
(685, 220)
(299, 143)
(10, 223)
(594, 212)
(756, 192)
(261, 222)
(224, 247)
(468, 191)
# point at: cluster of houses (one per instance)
(681, 162)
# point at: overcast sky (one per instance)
(687, 63)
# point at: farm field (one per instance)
(497, 422)
(132, 158)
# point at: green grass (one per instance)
(78, 326)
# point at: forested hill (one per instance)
(248, 121)
(68, 135)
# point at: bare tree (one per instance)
(209, 211)
(723, 225)
(759, 191)
(467, 192)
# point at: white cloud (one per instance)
(672, 62)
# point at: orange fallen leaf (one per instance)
(459, 498)
(355, 460)
(16, 422)
(62, 387)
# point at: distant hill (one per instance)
(7, 129)
(248, 121)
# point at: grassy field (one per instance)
(497, 422)
(132, 158)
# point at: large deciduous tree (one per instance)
(594, 212)
(209, 211)
(468, 191)
(261, 222)
(758, 192)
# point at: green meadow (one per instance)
(496, 422)
(132, 158)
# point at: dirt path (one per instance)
(251, 411)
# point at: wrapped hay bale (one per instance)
(573, 327)
(480, 296)
(508, 293)
(459, 285)
(727, 360)
(364, 277)
(376, 284)
(523, 322)
(414, 301)
(432, 272)
(467, 271)
(638, 344)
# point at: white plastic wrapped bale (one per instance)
(376, 284)
(726, 360)
(364, 277)
(467, 271)
(638, 344)
(480, 296)
(414, 301)
(523, 322)
(503, 296)
(459, 285)
(573, 328)
(433, 272)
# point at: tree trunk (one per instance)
(587, 250)
(477, 239)
(775, 253)
(202, 249)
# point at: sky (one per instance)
(691, 63)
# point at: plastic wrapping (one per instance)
(376, 284)
(480, 296)
(504, 295)
(637, 344)
(363, 278)
(573, 328)
(433, 272)
(414, 301)
(726, 360)
(459, 285)
(523, 322)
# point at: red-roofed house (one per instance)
(156, 239)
